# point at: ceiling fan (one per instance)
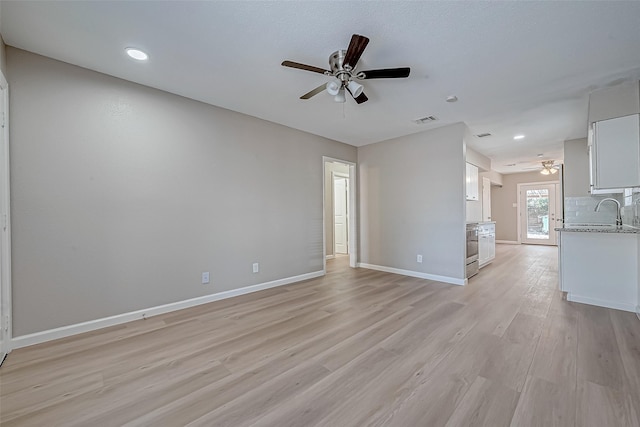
(342, 66)
(548, 167)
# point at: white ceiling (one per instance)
(516, 67)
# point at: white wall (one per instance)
(412, 201)
(122, 195)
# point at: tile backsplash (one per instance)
(581, 210)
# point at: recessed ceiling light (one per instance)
(518, 137)
(137, 54)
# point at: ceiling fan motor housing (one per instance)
(336, 64)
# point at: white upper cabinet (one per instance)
(615, 152)
(614, 137)
(472, 182)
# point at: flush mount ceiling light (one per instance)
(136, 54)
(548, 168)
(451, 98)
(517, 137)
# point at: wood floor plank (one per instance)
(353, 348)
(545, 404)
(598, 359)
(557, 350)
(602, 406)
(485, 404)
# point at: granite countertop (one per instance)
(599, 228)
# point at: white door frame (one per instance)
(335, 175)
(352, 209)
(5, 229)
(519, 204)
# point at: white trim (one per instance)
(5, 240)
(601, 303)
(418, 274)
(92, 325)
(352, 209)
(519, 211)
(508, 242)
(330, 256)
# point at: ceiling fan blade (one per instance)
(314, 92)
(304, 67)
(360, 98)
(354, 51)
(387, 73)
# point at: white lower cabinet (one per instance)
(600, 268)
(486, 243)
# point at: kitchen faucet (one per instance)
(618, 212)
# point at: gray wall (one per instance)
(412, 201)
(122, 195)
(503, 198)
(576, 168)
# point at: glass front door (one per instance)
(538, 214)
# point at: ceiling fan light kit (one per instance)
(333, 88)
(548, 168)
(342, 66)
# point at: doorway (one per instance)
(340, 214)
(538, 210)
(339, 210)
(5, 229)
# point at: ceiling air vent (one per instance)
(427, 119)
(483, 135)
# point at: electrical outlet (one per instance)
(256, 267)
(205, 277)
(419, 258)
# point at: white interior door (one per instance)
(340, 215)
(538, 214)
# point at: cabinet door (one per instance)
(486, 199)
(483, 248)
(491, 239)
(615, 153)
(472, 182)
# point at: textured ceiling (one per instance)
(516, 67)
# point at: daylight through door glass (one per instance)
(538, 214)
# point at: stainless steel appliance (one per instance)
(472, 250)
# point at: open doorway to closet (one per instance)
(339, 210)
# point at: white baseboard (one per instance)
(420, 275)
(330, 256)
(508, 242)
(92, 325)
(601, 303)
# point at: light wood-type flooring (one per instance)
(354, 348)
